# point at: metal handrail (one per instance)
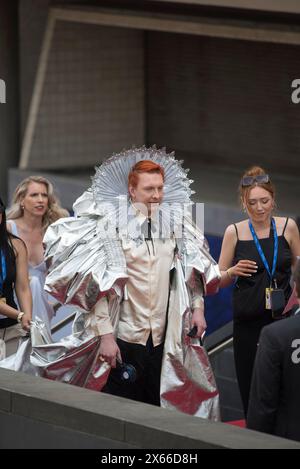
(63, 322)
(220, 339)
(221, 346)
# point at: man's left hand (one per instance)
(198, 320)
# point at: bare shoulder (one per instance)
(281, 222)
(292, 225)
(229, 243)
(11, 224)
(292, 228)
(242, 228)
(233, 231)
(230, 231)
(242, 224)
(18, 245)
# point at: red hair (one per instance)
(144, 166)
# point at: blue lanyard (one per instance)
(260, 251)
(3, 276)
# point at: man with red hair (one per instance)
(142, 322)
(138, 267)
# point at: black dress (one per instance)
(249, 312)
(8, 288)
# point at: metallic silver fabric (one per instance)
(193, 251)
(86, 261)
(82, 266)
(187, 380)
(72, 360)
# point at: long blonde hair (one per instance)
(54, 212)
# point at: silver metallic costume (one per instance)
(86, 262)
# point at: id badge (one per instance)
(268, 297)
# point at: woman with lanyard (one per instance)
(257, 256)
(13, 277)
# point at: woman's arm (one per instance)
(244, 268)
(22, 286)
(227, 255)
(8, 311)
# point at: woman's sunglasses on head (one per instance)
(259, 179)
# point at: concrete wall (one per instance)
(223, 103)
(32, 23)
(92, 101)
(37, 413)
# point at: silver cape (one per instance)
(86, 262)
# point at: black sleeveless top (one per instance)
(249, 292)
(8, 289)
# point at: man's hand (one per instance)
(109, 350)
(198, 320)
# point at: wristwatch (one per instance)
(19, 317)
